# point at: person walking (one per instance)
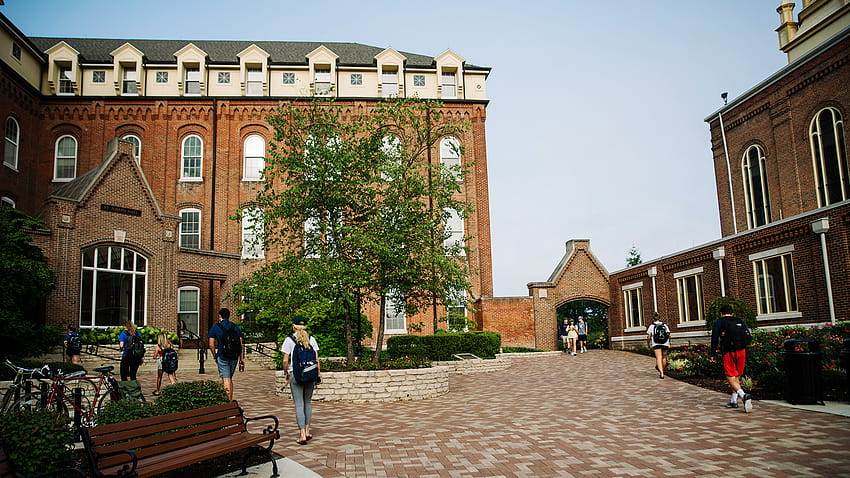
(130, 361)
(733, 336)
(164, 365)
(226, 343)
(562, 334)
(302, 392)
(572, 336)
(73, 345)
(582, 334)
(658, 337)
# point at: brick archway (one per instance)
(578, 276)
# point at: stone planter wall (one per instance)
(515, 355)
(463, 367)
(376, 385)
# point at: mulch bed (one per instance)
(829, 394)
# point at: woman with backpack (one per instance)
(73, 345)
(301, 368)
(658, 336)
(129, 342)
(166, 361)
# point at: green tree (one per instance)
(633, 258)
(28, 281)
(354, 210)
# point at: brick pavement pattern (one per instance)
(600, 414)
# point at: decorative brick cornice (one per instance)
(750, 115)
(774, 238)
(818, 75)
(689, 261)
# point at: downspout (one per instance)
(728, 173)
(213, 172)
(652, 272)
(820, 227)
(720, 254)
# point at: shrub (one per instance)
(125, 410)
(367, 364)
(110, 336)
(191, 395)
(740, 309)
(442, 345)
(518, 350)
(37, 441)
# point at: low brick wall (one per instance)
(463, 367)
(376, 385)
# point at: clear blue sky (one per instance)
(595, 125)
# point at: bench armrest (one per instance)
(269, 428)
(126, 470)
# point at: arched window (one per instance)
(137, 146)
(65, 168)
(114, 287)
(450, 156)
(829, 154)
(254, 158)
(10, 152)
(6, 201)
(190, 228)
(756, 195)
(391, 149)
(192, 155)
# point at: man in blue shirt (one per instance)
(226, 356)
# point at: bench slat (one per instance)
(132, 429)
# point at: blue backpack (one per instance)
(305, 363)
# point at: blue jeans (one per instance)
(302, 395)
(226, 367)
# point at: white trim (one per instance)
(632, 286)
(781, 316)
(693, 323)
(696, 333)
(771, 252)
(692, 272)
(635, 329)
(773, 328)
(630, 338)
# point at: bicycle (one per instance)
(79, 395)
(22, 383)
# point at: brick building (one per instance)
(136, 153)
(781, 167)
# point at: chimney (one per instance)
(787, 26)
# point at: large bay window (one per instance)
(114, 287)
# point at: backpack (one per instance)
(231, 347)
(169, 360)
(136, 348)
(736, 335)
(660, 334)
(305, 363)
(75, 344)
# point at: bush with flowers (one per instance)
(765, 356)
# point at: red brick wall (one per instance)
(512, 317)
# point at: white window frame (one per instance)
(6, 201)
(189, 231)
(454, 231)
(450, 156)
(633, 303)
(254, 81)
(448, 82)
(821, 163)
(322, 81)
(689, 285)
(66, 81)
(121, 261)
(193, 311)
(186, 166)
(12, 143)
(457, 303)
(137, 146)
(129, 81)
(253, 158)
(63, 159)
(395, 319)
(252, 219)
(391, 149)
(766, 284)
(755, 193)
(192, 78)
(389, 82)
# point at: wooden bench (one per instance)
(8, 471)
(150, 446)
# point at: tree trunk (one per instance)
(349, 337)
(377, 358)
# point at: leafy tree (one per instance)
(740, 309)
(28, 281)
(633, 258)
(353, 209)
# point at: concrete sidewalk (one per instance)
(604, 414)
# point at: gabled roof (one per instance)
(97, 50)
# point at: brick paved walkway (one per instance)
(593, 415)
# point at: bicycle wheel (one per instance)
(31, 402)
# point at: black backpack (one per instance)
(169, 360)
(736, 335)
(660, 334)
(305, 363)
(231, 347)
(136, 348)
(75, 344)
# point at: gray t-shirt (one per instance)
(582, 327)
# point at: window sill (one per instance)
(252, 180)
(635, 329)
(780, 316)
(685, 325)
(395, 332)
(13, 168)
(191, 180)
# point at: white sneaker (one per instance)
(574, 353)
(748, 403)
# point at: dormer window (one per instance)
(389, 82)
(192, 85)
(254, 85)
(66, 81)
(322, 85)
(129, 81)
(449, 82)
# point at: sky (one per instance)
(595, 126)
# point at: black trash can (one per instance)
(844, 355)
(803, 379)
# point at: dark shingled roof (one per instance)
(97, 50)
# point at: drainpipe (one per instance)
(720, 254)
(213, 173)
(820, 227)
(652, 272)
(728, 173)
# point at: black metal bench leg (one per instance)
(258, 450)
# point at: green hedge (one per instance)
(443, 345)
(37, 441)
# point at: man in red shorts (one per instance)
(733, 337)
